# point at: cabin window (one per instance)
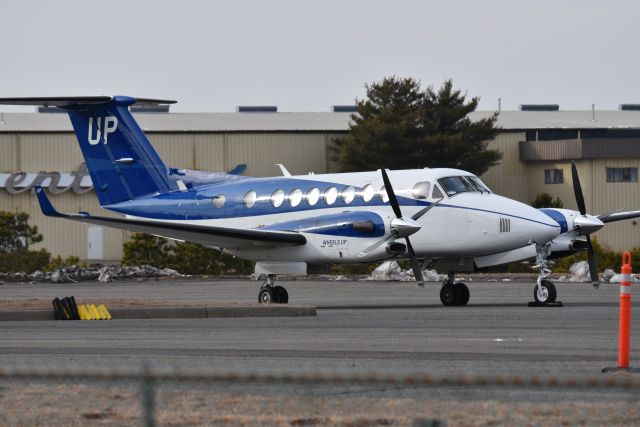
(277, 198)
(348, 194)
(250, 199)
(437, 194)
(368, 192)
(421, 190)
(295, 197)
(218, 201)
(383, 194)
(313, 196)
(331, 195)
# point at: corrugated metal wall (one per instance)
(34, 152)
(301, 153)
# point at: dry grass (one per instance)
(99, 404)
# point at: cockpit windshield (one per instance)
(453, 185)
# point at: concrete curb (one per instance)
(175, 312)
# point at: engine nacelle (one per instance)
(567, 246)
(396, 248)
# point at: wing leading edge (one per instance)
(221, 237)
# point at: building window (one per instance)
(553, 176)
(622, 174)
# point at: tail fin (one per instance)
(122, 163)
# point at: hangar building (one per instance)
(538, 147)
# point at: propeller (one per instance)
(585, 225)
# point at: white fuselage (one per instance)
(466, 224)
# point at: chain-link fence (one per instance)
(160, 397)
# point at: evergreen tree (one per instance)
(400, 126)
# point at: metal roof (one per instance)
(316, 122)
(193, 122)
(520, 120)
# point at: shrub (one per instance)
(58, 262)
(605, 258)
(185, 257)
(544, 200)
(24, 261)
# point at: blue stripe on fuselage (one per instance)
(196, 203)
(557, 217)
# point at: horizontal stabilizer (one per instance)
(74, 101)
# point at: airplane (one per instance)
(300, 224)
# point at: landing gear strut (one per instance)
(453, 293)
(545, 291)
(270, 293)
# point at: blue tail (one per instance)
(122, 163)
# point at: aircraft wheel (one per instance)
(281, 295)
(546, 293)
(463, 293)
(448, 294)
(266, 295)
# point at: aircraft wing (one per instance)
(618, 216)
(221, 237)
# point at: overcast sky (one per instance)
(308, 55)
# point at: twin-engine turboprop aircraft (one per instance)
(301, 224)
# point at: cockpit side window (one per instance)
(453, 185)
(421, 190)
(437, 194)
(477, 182)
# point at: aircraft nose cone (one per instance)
(546, 228)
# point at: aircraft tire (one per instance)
(547, 294)
(281, 295)
(463, 293)
(448, 294)
(266, 295)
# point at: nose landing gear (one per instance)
(545, 291)
(270, 293)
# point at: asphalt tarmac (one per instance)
(361, 327)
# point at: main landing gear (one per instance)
(545, 291)
(270, 293)
(453, 293)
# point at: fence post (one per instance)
(148, 404)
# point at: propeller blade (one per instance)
(376, 244)
(593, 266)
(421, 212)
(577, 189)
(417, 273)
(392, 195)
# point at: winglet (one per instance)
(45, 205)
